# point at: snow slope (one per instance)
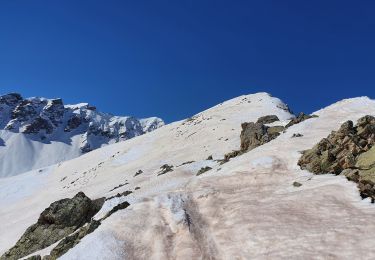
(37, 132)
(244, 209)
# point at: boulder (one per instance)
(256, 134)
(60, 219)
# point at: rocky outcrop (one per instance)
(349, 151)
(71, 241)
(48, 119)
(256, 134)
(59, 220)
(267, 119)
(165, 168)
(203, 170)
(300, 118)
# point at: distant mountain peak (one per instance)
(49, 120)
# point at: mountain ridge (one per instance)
(41, 121)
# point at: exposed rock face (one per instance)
(300, 118)
(267, 119)
(348, 151)
(60, 219)
(45, 119)
(256, 134)
(70, 241)
(42, 125)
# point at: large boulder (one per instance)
(256, 134)
(60, 219)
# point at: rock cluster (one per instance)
(349, 151)
(59, 220)
(256, 134)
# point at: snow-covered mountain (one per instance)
(223, 184)
(37, 132)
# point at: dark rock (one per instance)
(203, 170)
(256, 134)
(138, 173)
(119, 186)
(34, 257)
(118, 207)
(267, 119)
(122, 194)
(37, 125)
(231, 155)
(10, 99)
(349, 151)
(165, 168)
(297, 184)
(70, 241)
(209, 157)
(74, 122)
(24, 110)
(297, 135)
(184, 163)
(300, 118)
(60, 219)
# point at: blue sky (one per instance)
(175, 58)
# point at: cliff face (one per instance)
(40, 121)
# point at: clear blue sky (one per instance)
(175, 58)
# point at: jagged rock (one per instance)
(116, 208)
(300, 118)
(297, 135)
(349, 151)
(203, 170)
(165, 168)
(256, 134)
(74, 122)
(230, 155)
(122, 194)
(10, 99)
(138, 173)
(267, 119)
(60, 219)
(70, 241)
(37, 125)
(209, 157)
(42, 117)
